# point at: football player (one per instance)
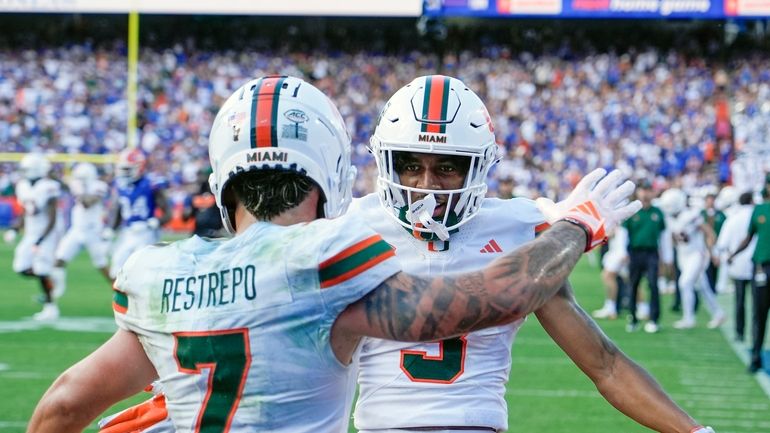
(34, 255)
(434, 146)
(614, 268)
(139, 198)
(86, 222)
(257, 332)
(693, 240)
(740, 267)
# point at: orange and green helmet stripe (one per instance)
(353, 261)
(264, 112)
(435, 103)
(119, 301)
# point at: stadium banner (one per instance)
(738, 8)
(396, 8)
(651, 9)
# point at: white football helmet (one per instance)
(673, 201)
(438, 115)
(279, 122)
(727, 197)
(85, 172)
(34, 166)
(130, 166)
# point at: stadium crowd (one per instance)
(657, 114)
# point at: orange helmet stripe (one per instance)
(435, 102)
(264, 112)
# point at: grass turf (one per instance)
(546, 392)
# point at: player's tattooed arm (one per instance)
(410, 308)
(578, 335)
(621, 381)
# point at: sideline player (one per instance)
(434, 145)
(87, 222)
(759, 226)
(256, 332)
(645, 230)
(693, 240)
(138, 198)
(740, 268)
(614, 268)
(34, 256)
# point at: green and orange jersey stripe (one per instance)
(264, 112)
(119, 301)
(354, 260)
(435, 103)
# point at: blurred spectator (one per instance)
(559, 111)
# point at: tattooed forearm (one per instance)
(411, 308)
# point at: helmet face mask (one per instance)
(34, 166)
(281, 123)
(436, 115)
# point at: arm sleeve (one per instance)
(126, 305)
(354, 261)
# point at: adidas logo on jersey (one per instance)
(491, 247)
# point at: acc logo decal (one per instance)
(296, 116)
(295, 131)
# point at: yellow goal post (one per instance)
(67, 158)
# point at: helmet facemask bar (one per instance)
(462, 203)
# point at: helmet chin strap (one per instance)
(422, 211)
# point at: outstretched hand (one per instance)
(599, 203)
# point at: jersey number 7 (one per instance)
(228, 357)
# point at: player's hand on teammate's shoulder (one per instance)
(599, 203)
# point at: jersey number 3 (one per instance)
(227, 356)
(446, 367)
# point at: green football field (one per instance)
(546, 393)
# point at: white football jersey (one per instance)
(88, 219)
(238, 329)
(458, 381)
(685, 228)
(34, 197)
